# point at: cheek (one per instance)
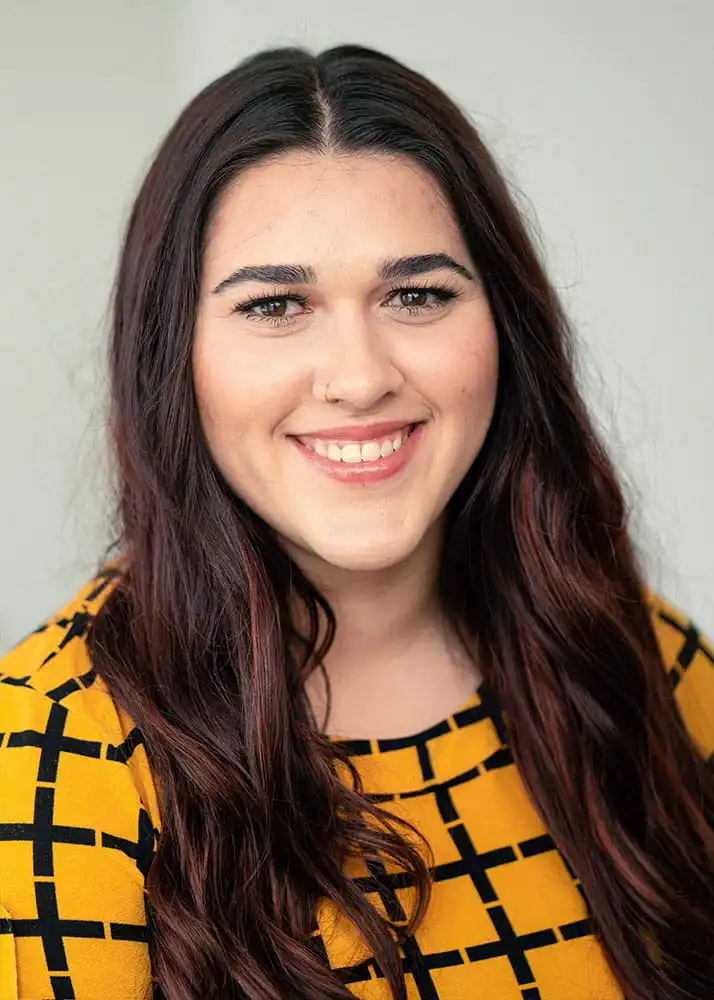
(465, 378)
(479, 379)
(228, 402)
(224, 406)
(231, 389)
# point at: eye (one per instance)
(409, 293)
(273, 308)
(261, 308)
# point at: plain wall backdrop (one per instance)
(600, 114)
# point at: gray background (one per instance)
(600, 113)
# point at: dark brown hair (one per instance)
(538, 571)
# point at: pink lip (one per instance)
(365, 472)
(364, 432)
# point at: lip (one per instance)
(365, 472)
(359, 432)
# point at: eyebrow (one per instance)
(300, 274)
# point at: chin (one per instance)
(360, 545)
(364, 558)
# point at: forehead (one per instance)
(304, 206)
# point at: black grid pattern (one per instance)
(50, 668)
(508, 919)
(467, 862)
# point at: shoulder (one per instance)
(51, 665)
(49, 688)
(78, 818)
(688, 657)
(54, 648)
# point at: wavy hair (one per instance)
(260, 811)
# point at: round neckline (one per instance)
(387, 743)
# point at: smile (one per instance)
(358, 451)
(362, 461)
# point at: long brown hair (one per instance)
(538, 571)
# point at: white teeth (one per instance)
(369, 451)
(351, 453)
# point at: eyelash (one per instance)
(442, 292)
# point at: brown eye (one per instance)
(421, 293)
(407, 295)
(270, 309)
(267, 311)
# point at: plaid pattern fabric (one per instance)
(79, 825)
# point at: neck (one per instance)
(380, 611)
(390, 637)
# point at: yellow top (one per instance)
(79, 823)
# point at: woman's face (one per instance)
(386, 348)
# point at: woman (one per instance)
(372, 698)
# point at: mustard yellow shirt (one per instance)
(79, 824)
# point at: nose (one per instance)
(360, 370)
